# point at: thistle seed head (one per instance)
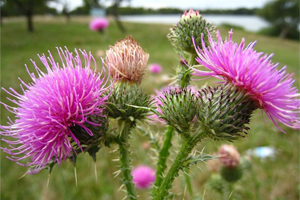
(127, 60)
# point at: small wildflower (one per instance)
(254, 74)
(143, 176)
(99, 24)
(155, 68)
(51, 106)
(127, 60)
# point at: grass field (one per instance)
(276, 179)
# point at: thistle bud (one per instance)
(127, 60)
(178, 107)
(225, 112)
(231, 175)
(191, 24)
(122, 100)
(216, 183)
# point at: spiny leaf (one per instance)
(193, 160)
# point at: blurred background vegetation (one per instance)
(283, 15)
(270, 179)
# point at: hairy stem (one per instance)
(178, 164)
(162, 159)
(125, 160)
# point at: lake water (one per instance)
(249, 22)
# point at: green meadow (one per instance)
(269, 179)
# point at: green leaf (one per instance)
(193, 160)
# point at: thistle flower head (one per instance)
(224, 112)
(55, 102)
(122, 100)
(231, 169)
(252, 73)
(191, 24)
(177, 106)
(98, 24)
(143, 176)
(127, 60)
(229, 156)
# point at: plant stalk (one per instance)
(162, 159)
(125, 160)
(178, 164)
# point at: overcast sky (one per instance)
(185, 4)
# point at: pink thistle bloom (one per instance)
(254, 73)
(155, 68)
(143, 176)
(99, 24)
(229, 156)
(55, 101)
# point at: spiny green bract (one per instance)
(124, 101)
(224, 112)
(181, 34)
(91, 143)
(179, 108)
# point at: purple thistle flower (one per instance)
(98, 24)
(254, 73)
(143, 176)
(50, 105)
(155, 68)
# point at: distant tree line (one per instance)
(84, 10)
(141, 11)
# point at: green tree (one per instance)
(25, 7)
(283, 15)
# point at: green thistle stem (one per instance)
(162, 159)
(192, 60)
(188, 182)
(184, 76)
(125, 160)
(178, 164)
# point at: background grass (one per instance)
(271, 179)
